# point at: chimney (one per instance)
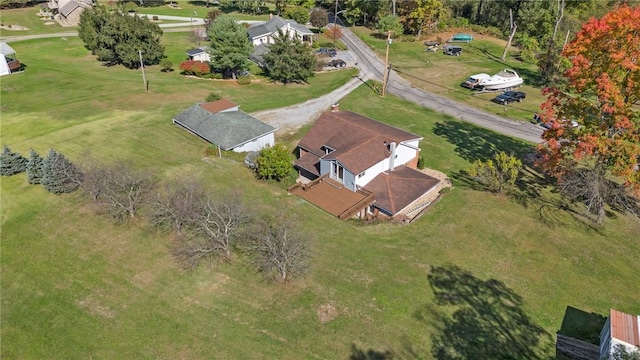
(392, 158)
(335, 107)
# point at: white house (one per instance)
(360, 153)
(223, 124)
(620, 329)
(199, 54)
(265, 33)
(8, 62)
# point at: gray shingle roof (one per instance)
(275, 23)
(5, 49)
(194, 52)
(228, 129)
(68, 8)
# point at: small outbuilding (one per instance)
(223, 124)
(8, 61)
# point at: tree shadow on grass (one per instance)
(476, 143)
(370, 354)
(487, 322)
(532, 77)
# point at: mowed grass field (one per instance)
(75, 285)
(442, 74)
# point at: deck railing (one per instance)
(368, 200)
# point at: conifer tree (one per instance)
(289, 60)
(34, 167)
(59, 174)
(11, 163)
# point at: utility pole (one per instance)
(335, 14)
(385, 75)
(144, 79)
(394, 7)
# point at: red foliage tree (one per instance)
(593, 121)
(197, 68)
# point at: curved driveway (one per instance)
(371, 68)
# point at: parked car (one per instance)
(508, 97)
(327, 51)
(452, 50)
(338, 63)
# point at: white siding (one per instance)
(404, 155)
(205, 57)
(256, 144)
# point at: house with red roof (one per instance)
(621, 329)
(357, 154)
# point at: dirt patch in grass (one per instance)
(327, 313)
(93, 307)
(13, 27)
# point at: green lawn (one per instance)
(442, 74)
(75, 285)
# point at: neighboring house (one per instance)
(620, 329)
(8, 62)
(69, 11)
(199, 54)
(265, 33)
(364, 155)
(223, 124)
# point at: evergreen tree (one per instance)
(117, 37)
(59, 175)
(34, 167)
(289, 60)
(11, 163)
(230, 46)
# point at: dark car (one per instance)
(327, 51)
(508, 97)
(452, 50)
(338, 63)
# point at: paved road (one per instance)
(372, 67)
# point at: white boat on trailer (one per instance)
(473, 82)
(505, 79)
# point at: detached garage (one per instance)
(223, 124)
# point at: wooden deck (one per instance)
(333, 197)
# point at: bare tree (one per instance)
(591, 187)
(94, 177)
(222, 221)
(178, 204)
(124, 190)
(219, 227)
(279, 249)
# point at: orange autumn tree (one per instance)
(594, 123)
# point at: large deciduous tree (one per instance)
(319, 18)
(289, 59)
(230, 46)
(118, 38)
(593, 124)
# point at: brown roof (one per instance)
(218, 105)
(625, 327)
(397, 189)
(310, 163)
(359, 142)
